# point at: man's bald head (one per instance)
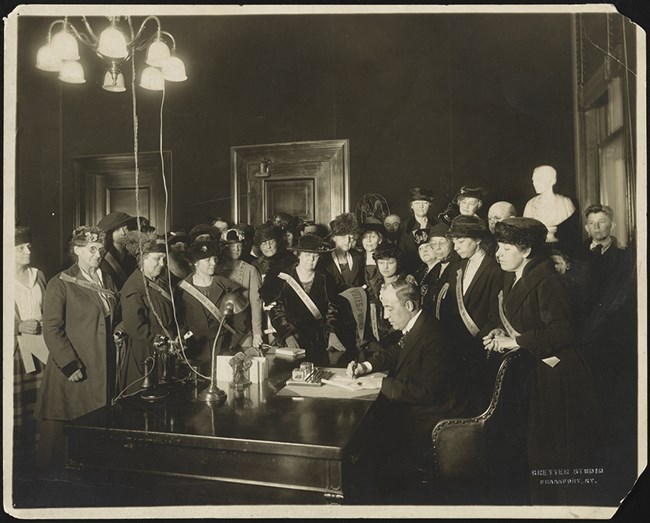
(499, 212)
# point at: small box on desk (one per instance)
(258, 372)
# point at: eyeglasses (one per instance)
(94, 250)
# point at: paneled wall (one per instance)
(431, 100)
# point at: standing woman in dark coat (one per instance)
(146, 305)
(79, 312)
(535, 315)
(301, 301)
(421, 218)
(200, 306)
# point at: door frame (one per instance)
(88, 166)
(240, 153)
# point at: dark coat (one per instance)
(480, 301)
(78, 336)
(563, 421)
(196, 318)
(410, 261)
(431, 281)
(282, 260)
(141, 325)
(422, 384)
(125, 265)
(354, 278)
(290, 317)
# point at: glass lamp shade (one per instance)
(174, 70)
(72, 73)
(65, 46)
(112, 43)
(152, 79)
(114, 82)
(47, 60)
(158, 53)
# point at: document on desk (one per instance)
(368, 382)
(337, 391)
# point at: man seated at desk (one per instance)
(422, 386)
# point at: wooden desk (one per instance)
(256, 438)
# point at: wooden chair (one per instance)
(482, 459)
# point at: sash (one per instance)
(374, 324)
(551, 361)
(203, 300)
(115, 265)
(162, 291)
(441, 296)
(87, 285)
(464, 315)
(297, 288)
(358, 303)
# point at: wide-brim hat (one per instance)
(138, 242)
(312, 243)
(23, 235)
(468, 227)
(204, 229)
(113, 220)
(469, 192)
(345, 223)
(265, 232)
(232, 236)
(439, 230)
(418, 193)
(387, 250)
(177, 236)
(202, 249)
(527, 232)
(372, 224)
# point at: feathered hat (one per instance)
(345, 223)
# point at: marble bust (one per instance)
(548, 207)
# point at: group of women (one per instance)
(320, 294)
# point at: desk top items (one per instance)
(309, 376)
(548, 207)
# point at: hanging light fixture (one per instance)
(114, 79)
(61, 53)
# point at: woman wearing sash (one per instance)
(468, 303)
(146, 305)
(535, 315)
(439, 260)
(237, 270)
(79, 312)
(344, 263)
(200, 306)
(300, 303)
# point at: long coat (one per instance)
(423, 383)
(482, 305)
(78, 336)
(563, 416)
(204, 326)
(354, 278)
(141, 325)
(291, 317)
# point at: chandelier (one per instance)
(61, 53)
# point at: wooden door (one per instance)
(106, 183)
(305, 179)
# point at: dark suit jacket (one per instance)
(423, 380)
(354, 279)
